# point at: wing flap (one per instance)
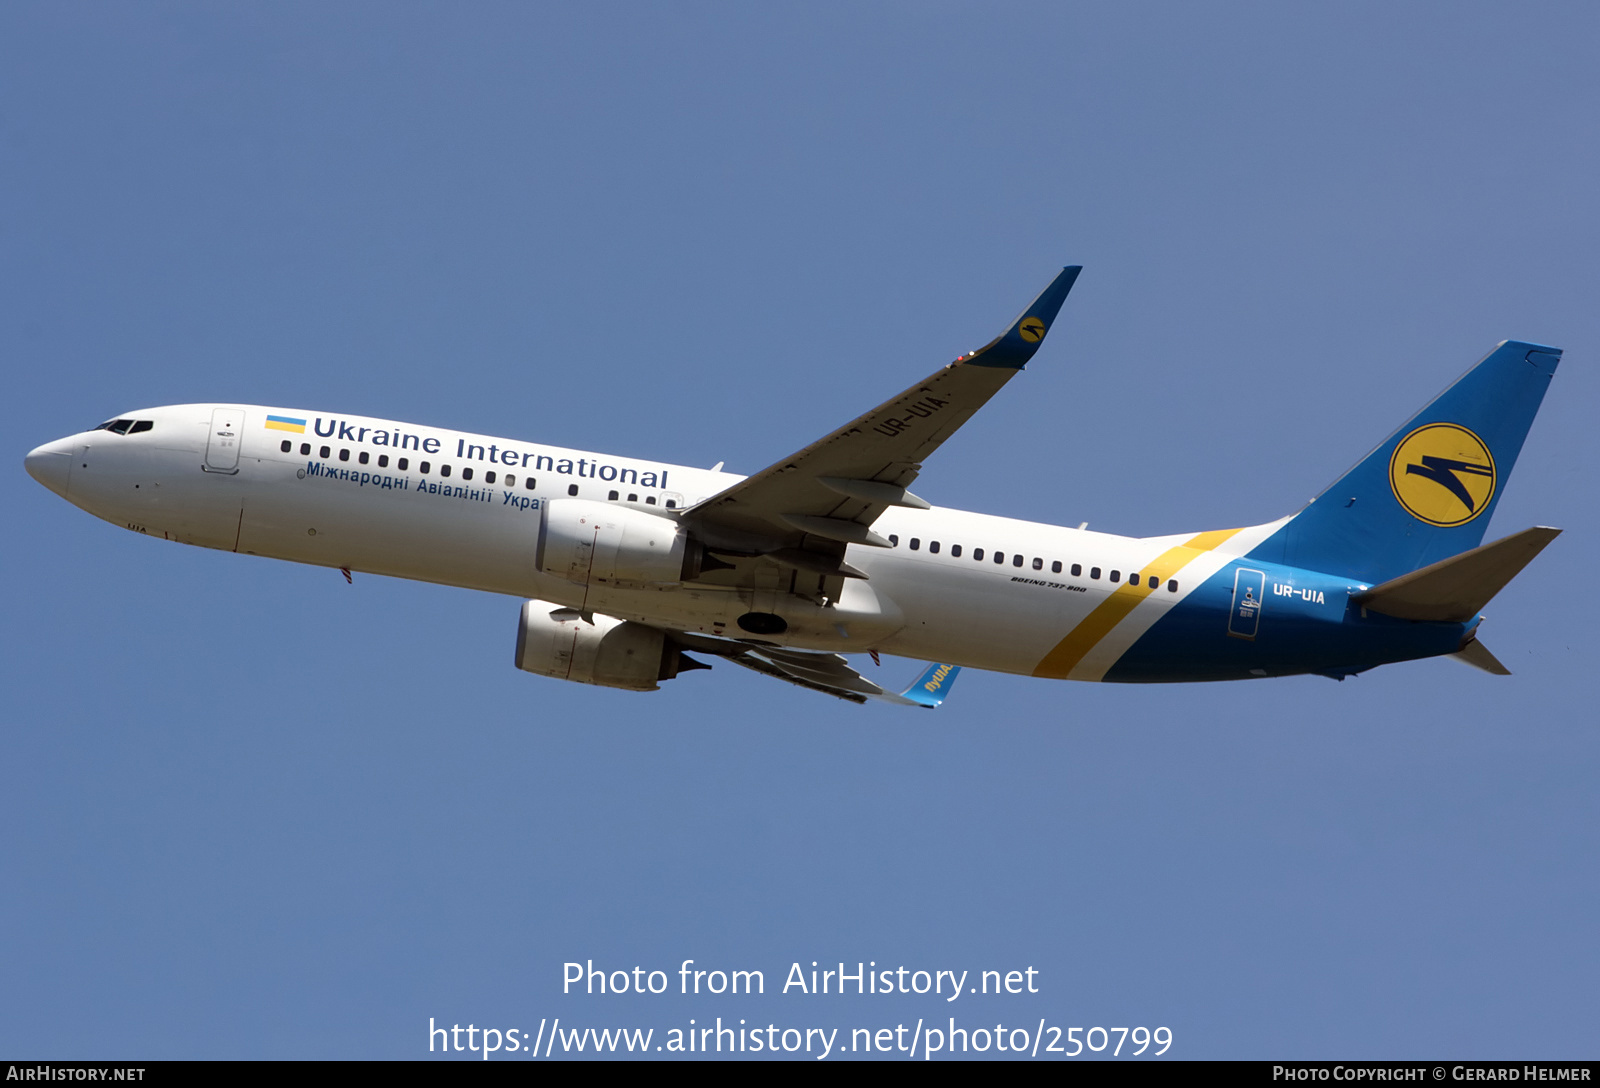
(767, 668)
(828, 673)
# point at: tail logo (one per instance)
(1031, 330)
(1442, 474)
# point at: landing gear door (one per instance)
(222, 445)
(1246, 614)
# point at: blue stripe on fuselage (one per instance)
(1296, 632)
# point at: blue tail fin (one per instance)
(1428, 491)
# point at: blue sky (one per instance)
(252, 811)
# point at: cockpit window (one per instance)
(126, 426)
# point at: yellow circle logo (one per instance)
(1031, 330)
(1442, 474)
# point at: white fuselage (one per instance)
(352, 492)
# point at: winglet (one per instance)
(1014, 347)
(930, 688)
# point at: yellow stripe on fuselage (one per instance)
(1114, 609)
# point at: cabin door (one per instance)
(222, 444)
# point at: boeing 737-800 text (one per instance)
(628, 566)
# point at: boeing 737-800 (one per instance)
(628, 566)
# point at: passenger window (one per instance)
(1055, 568)
(1133, 579)
(344, 455)
(1116, 576)
(977, 555)
(572, 489)
(405, 462)
(325, 453)
(955, 550)
(933, 547)
(1094, 572)
(1016, 560)
(423, 468)
(1077, 570)
(286, 446)
(466, 473)
(672, 504)
(365, 457)
(1172, 586)
(444, 470)
(894, 540)
(140, 427)
(488, 477)
(915, 543)
(305, 448)
(530, 483)
(649, 500)
(510, 480)
(633, 496)
(612, 496)
(1038, 564)
(999, 557)
(383, 460)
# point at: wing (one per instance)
(805, 509)
(827, 673)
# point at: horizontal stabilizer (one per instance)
(1454, 590)
(1478, 656)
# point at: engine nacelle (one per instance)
(613, 653)
(597, 543)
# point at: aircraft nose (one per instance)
(50, 464)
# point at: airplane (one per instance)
(628, 566)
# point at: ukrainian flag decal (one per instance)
(286, 423)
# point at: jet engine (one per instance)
(597, 543)
(561, 642)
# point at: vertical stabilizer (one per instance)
(1428, 491)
